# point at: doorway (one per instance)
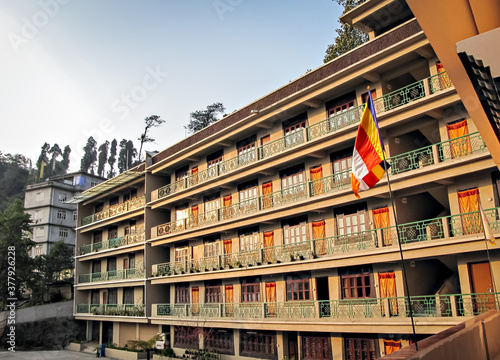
(293, 346)
(481, 283)
(323, 295)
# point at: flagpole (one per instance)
(405, 279)
(485, 223)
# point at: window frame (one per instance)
(353, 287)
(251, 290)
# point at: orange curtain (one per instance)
(194, 214)
(227, 200)
(391, 346)
(381, 220)
(462, 146)
(469, 202)
(444, 80)
(226, 210)
(318, 232)
(195, 300)
(228, 249)
(267, 190)
(194, 175)
(268, 242)
(316, 174)
(271, 298)
(387, 283)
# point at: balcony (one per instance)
(115, 210)
(110, 309)
(420, 89)
(443, 152)
(448, 228)
(133, 238)
(435, 306)
(112, 275)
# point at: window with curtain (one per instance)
(317, 184)
(194, 215)
(229, 300)
(387, 285)
(195, 300)
(318, 233)
(267, 197)
(271, 299)
(460, 143)
(360, 349)
(268, 246)
(381, 220)
(316, 347)
(298, 288)
(357, 283)
(228, 249)
(391, 346)
(194, 176)
(468, 201)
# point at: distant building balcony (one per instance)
(395, 99)
(443, 152)
(133, 238)
(115, 210)
(435, 306)
(448, 228)
(110, 309)
(112, 275)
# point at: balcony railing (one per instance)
(111, 309)
(112, 275)
(133, 238)
(390, 101)
(445, 151)
(437, 306)
(114, 210)
(443, 228)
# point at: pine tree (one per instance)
(202, 118)
(112, 159)
(65, 159)
(51, 169)
(89, 156)
(103, 157)
(43, 161)
(151, 121)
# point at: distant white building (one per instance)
(53, 219)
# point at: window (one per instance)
(248, 194)
(130, 229)
(258, 344)
(246, 150)
(75, 215)
(316, 347)
(265, 147)
(292, 182)
(181, 214)
(220, 340)
(96, 266)
(93, 183)
(351, 223)
(212, 163)
(298, 288)
(40, 196)
(342, 169)
(38, 214)
(63, 197)
(112, 296)
(249, 239)
(40, 231)
(250, 290)
(114, 200)
(181, 254)
(63, 233)
(38, 250)
(181, 176)
(357, 283)
(112, 232)
(213, 293)
(111, 264)
(97, 238)
(292, 130)
(295, 233)
(61, 214)
(186, 337)
(128, 295)
(212, 203)
(182, 294)
(360, 349)
(212, 248)
(95, 297)
(99, 207)
(338, 111)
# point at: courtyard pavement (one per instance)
(45, 355)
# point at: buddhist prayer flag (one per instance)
(368, 164)
(488, 233)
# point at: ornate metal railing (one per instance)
(332, 124)
(445, 306)
(135, 237)
(448, 227)
(112, 275)
(111, 309)
(114, 210)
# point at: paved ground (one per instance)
(45, 355)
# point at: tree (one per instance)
(89, 156)
(65, 159)
(55, 150)
(103, 157)
(348, 37)
(15, 243)
(145, 345)
(43, 161)
(151, 121)
(112, 159)
(202, 118)
(14, 173)
(126, 155)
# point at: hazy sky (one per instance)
(75, 68)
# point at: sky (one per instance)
(78, 68)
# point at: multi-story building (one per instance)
(52, 218)
(246, 238)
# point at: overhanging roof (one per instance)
(118, 180)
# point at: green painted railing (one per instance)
(112, 275)
(111, 309)
(445, 306)
(136, 237)
(445, 228)
(334, 123)
(114, 210)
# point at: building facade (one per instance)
(52, 218)
(246, 239)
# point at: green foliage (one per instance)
(348, 37)
(89, 156)
(14, 230)
(151, 121)
(112, 159)
(144, 344)
(126, 155)
(202, 118)
(103, 157)
(65, 159)
(14, 173)
(43, 160)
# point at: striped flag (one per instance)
(488, 233)
(368, 164)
